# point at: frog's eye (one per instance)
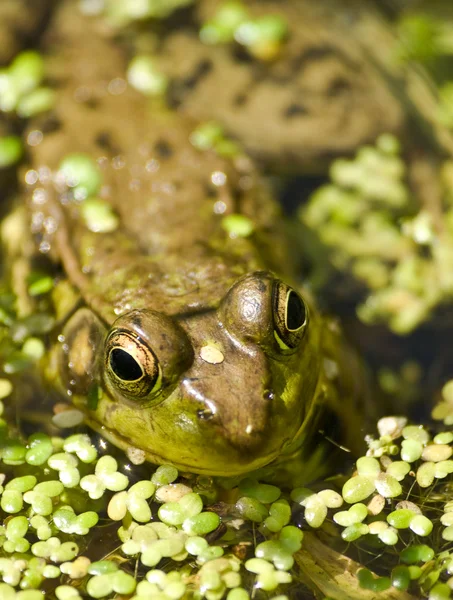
(131, 365)
(290, 316)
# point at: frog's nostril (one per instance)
(268, 395)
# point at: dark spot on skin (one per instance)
(104, 141)
(240, 99)
(294, 110)
(92, 103)
(260, 73)
(316, 53)
(50, 124)
(311, 54)
(261, 286)
(163, 149)
(180, 87)
(240, 54)
(203, 68)
(175, 95)
(57, 82)
(137, 320)
(339, 86)
(211, 191)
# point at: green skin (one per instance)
(170, 281)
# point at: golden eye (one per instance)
(131, 365)
(290, 316)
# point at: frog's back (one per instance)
(320, 97)
(170, 251)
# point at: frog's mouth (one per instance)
(138, 455)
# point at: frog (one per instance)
(322, 95)
(181, 341)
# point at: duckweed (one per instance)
(67, 592)
(368, 581)
(355, 514)
(401, 578)
(40, 448)
(411, 450)
(6, 387)
(421, 525)
(37, 101)
(354, 532)
(398, 469)
(211, 136)
(252, 510)
(387, 486)
(263, 37)
(238, 225)
(11, 150)
(144, 76)
(118, 582)
(98, 215)
(20, 87)
(221, 28)
(201, 524)
(65, 493)
(279, 516)
(426, 474)
(81, 173)
(120, 14)
(274, 551)
(164, 475)
(80, 444)
(357, 489)
(372, 230)
(315, 510)
(417, 553)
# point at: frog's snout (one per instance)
(237, 408)
(247, 426)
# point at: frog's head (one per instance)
(221, 392)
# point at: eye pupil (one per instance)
(295, 311)
(124, 365)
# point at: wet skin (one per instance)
(176, 339)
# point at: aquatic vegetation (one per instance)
(144, 75)
(374, 231)
(21, 86)
(22, 93)
(174, 535)
(79, 521)
(123, 12)
(211, 135)
(424, 37)
(397, 498)
(262, 37)
(51, 514)
(179, 536)
(11, 150)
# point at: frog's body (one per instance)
(322, 96)
(184, 343)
